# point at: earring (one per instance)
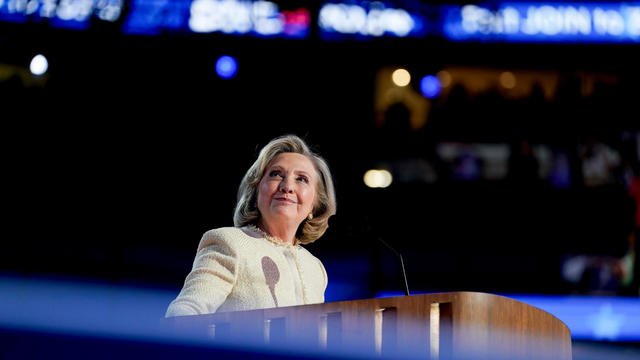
(310, 216)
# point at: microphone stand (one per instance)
(404, 273)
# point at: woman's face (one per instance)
(287, 190)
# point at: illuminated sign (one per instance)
(261, 18)
(544, 22)
(152, 17)
(551, 22)
(368, 19)
(242, 17)
(61, 13)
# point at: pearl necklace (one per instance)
(294, 251)
(273, 239)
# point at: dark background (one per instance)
(134, 147)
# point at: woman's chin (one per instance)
(284, 214)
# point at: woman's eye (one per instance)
(303, 179)
(274, 173)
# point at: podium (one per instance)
(457, 325)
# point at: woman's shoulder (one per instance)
(307, 255)
(225, 232)
(229, 236)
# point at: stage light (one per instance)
(444, 77)
(226, 67)
(39, 65)
(430, 86)
(507, 80)
(401, 77)
(378, 178)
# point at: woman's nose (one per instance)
(285, 187)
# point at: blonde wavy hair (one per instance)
(246, 211)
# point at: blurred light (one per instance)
(378, 178)
(149, 17)
(372, 20)
(267, 19)
(401, 77)
(109, 10)
(262, 18)
(39, 65)
(74, 10)
(296, 22)
(86, 308)
(444, 77)
(547, 22)
(226, 16)
(226, 67)
(430, 86)
(508, 80)
(70, 14)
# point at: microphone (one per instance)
(364, 228)
(404, 273)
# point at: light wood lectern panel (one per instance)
(432, 326)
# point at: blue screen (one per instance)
(543, 22)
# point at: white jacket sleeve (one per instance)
(211, 279)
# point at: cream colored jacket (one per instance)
(237, 269)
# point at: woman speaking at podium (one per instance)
(284, 201)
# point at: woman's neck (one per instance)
(283, 232)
